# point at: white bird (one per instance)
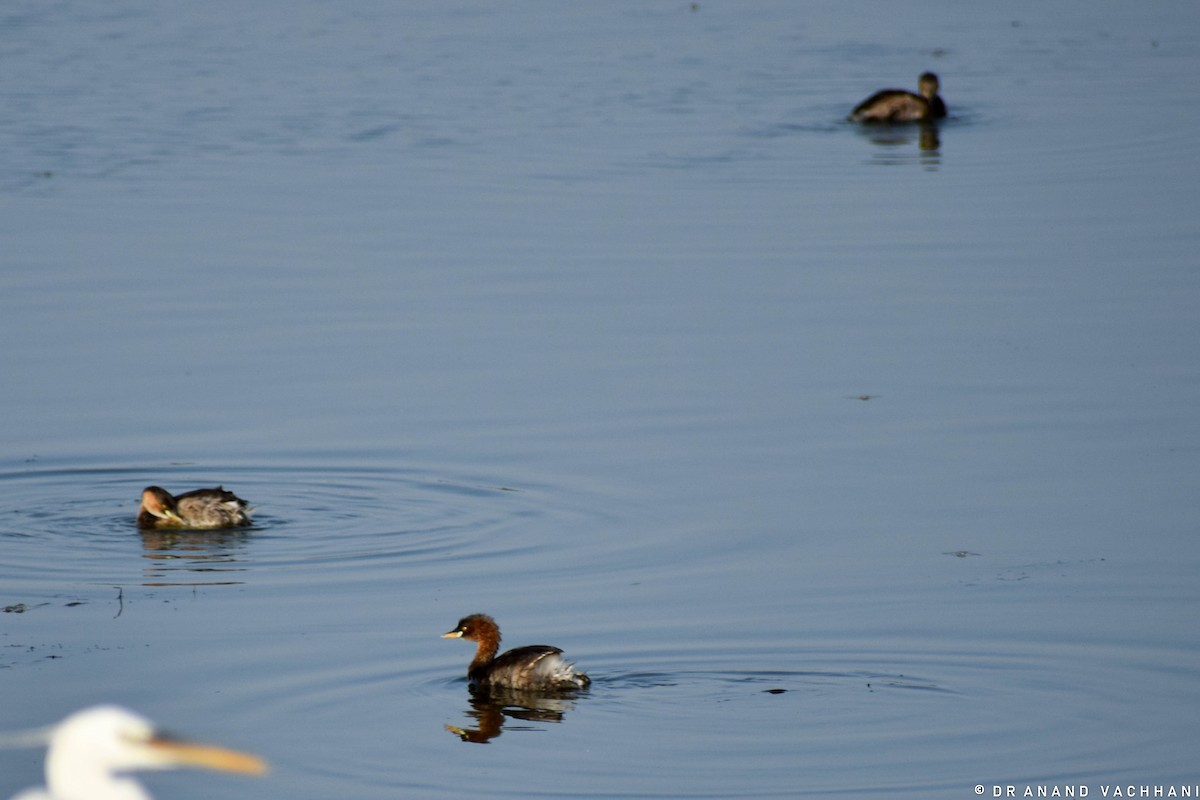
(93, 751)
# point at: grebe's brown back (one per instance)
(899, 105)
(537, 666)
(200, 508)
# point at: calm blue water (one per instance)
(846, 463)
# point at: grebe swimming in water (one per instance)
(201, 508)
(898, 105)
(536, 666)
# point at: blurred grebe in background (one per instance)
(898, 105)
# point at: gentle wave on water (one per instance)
(846, 461)
(326, 517)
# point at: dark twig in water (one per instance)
(120, 601)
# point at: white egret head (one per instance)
(93, 751)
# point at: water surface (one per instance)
(847, 463)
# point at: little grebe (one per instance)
(536, 666)
(201, 508)
(898, 105)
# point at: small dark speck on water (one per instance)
(17, 608)
(774, 691)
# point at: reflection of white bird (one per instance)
(92, 751)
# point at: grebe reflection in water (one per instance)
(534, 667)
(524, 709)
